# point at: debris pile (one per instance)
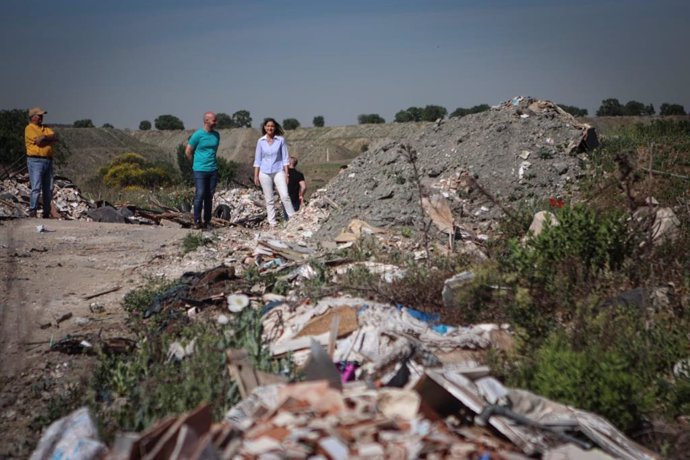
(68, 203)
(381, 381)
(482, 163)
(240, 206)
(237, 206)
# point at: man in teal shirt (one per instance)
(201, 151)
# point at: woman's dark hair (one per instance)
(279, 130)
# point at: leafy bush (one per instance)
(131, 169)
(184, 165)
(12, 148)
(318, 121)
(585, 243)
(145, 125)
(592, 379)
(227, 170)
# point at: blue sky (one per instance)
(121, 62)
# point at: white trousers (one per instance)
(267, 181)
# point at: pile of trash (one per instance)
(238, 206)
(521, 149)
(68, 203)
(379, 381)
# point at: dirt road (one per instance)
(59, 273)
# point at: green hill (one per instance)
(321, 151)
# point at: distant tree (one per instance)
(416, 113)
(461, 112)
(168, 123)
(145, 125)
(649, 108)
(318, 121)
(433, 113)
(574, 111)
(671, 109)
(610, 108)
(242, 119)
(404, 116)
(373, 118)
(85, 123)
(224, 120)
(12, 148)
(107, 125)
(291, 123)
(635, 109)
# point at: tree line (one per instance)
(242, 118)
(12, 122)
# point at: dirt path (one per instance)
(51, 274)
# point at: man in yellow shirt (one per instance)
(39, 142)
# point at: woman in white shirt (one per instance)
(271, 161)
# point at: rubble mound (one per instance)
(524, 149)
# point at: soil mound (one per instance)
(524, 149)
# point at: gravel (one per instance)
(519, 153)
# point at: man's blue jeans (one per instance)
(41, 179)
(205, 186)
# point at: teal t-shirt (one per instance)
(205, 146)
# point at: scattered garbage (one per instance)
(222, 320)
(381, 380)
(237, 302)
(238, 207)
(88, 344)
(177, 351)
(74, 436)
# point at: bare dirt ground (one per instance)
(47, 276)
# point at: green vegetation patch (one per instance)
(130, 392)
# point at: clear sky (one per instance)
(122, 61)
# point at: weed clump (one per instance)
(194, 240)
(131, 392)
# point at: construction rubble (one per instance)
(233, 207)
(378, 381)
(522, 149)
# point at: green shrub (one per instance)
(585, 238)
(592, 379)
(227, 170)
(132, 169)
(153, 385)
